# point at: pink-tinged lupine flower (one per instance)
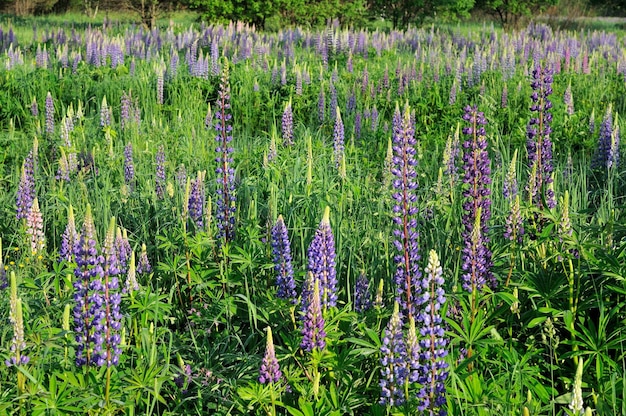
(270, 370)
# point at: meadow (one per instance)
(216, 220)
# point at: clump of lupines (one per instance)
(477, 205)
(26, 187)
(270, 370)
(313, 334)
(321, 261)
(88, 303)
(49, 115)
(394, 371)
(432, 340)
(362, 294)
(129, 166)
(338, 138)
(538, 142)
(287, 125)
(34, 229)
(144, 264)
(226, 199)
(283, 267)
(18, 344)
(407, 275)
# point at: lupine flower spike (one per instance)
(407, 275)
(321, 261)
(18, 345)
(281, 251)
(270, 370)
(393, 351)
(362, 294)
(144, 265)
(34, 229)
(313, 334)
(287, 125)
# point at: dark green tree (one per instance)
(402, 13)
(511, 12)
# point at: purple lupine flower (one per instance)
(321, 261)
(270, 370)
(358, 125)
(281, 251)
(125, 109)
(144, 267)
(160, 172)
(433, 374)
(338, 138)
(509, 188)
(18, 344)
(34, 108)
(538, 141)
(129, 167)
(393, 351)
(34, 229)
(321, 105)
(197, 199)
(112, 299)
(287, 125)
(477, 205)
(49, 115)
(123, 249)
(159, 86)
(26, 187)
(407, 274)
(226, 198)
(362, 294)
(69, 237)
(88, 302)
(602, 157)
(568, 100)
(313, 334)
(613, 156)
(450, 154)
(105, 113)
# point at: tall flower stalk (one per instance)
(226, 198)
(393, 353)
(538, 144)
(283, 267)
(313, 334)
(160, 172)
(321, 261)
(476, 255)
(407, 275)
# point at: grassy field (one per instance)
(216, 220)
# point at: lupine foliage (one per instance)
(163, 309)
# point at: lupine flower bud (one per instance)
(287, 125)
(34, 229)
(576, 405)
(338, 137)
(144, 265)
(49, 115)
(129, 166)
(18, 345)
(270, 370)
(160, 172)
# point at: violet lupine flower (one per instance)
(270, 370)
(123, 249)
(477, 205)
(125, 109)
(49, 115)
(112, 299)
(69, 237)
(129, 167)
(362, 294)
(338, 138)
(105, 113)
(287, 125)
(321, 261)
(18, 344)
(160, 172)
(34, 229)
(26, 188)
(358, 125)
(602, 157)
(197, 199)
(538, 141)
(88, 303)
(160, 81)
(613, 156)
(313, 334)
(282, 261)
(394, 373)
(34, 108)
(568, 100)
(144, 264)
(432, 395)
(226, 198)
(321, 105)
(407, 275)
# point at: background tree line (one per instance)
(272, 14)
